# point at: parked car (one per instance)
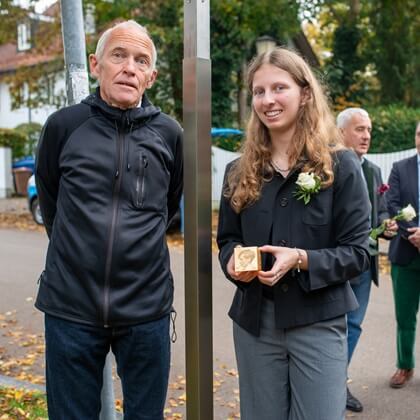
(33, 201)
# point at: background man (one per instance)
(404, 182)
(356, 127)
(109, 176)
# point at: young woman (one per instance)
(298, 195)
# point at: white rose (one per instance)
(306, 181)
(408, 213)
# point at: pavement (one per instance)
(22, 256)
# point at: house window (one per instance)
(24, 36)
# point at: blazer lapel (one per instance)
(368, 173)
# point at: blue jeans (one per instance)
(356, 317)
(75, 357)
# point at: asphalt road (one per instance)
(22, 256)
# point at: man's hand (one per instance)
(414, 238)
(245, 276)
(285, 260)
(391, 228)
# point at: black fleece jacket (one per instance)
(109, 181)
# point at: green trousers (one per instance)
(406, 286)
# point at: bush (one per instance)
(232, 143)
(393, 128)
(32, 132)
(13, 139)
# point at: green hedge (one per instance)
(32, 132)
(232, 143)
(393, 128)
(15, 140)
(22, 139)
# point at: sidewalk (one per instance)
(17, 205)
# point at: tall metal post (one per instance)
(197, 193)
(74, 50)
(77, 89)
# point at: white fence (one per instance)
(220, 158)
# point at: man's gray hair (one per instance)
(344, 117)
(129, 24)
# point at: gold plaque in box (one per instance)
(247, 258)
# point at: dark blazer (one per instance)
(333, 228)
(377, 200)
(404, 190)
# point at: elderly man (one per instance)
(404, 254)
(109, 175)
(356, 127)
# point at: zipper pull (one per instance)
(117, 173)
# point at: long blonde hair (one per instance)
(316, 135)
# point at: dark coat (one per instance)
(404, 190)
(108, 181)
(333, 228)
(379, 211)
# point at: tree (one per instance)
(396, 50)
(375, 54)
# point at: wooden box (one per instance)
(247, 258)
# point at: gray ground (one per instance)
(21, 259)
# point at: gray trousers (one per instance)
(292, 374)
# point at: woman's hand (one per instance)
(245, 276)
(285, 260)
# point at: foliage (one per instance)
(13, 139)
(345, 69)
(32, 132)
(393, 128)
(231, 143)
(10, 14)
(33, 87)
(395, 49)
(21, 404)
(373, 48)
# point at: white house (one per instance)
(21, 54)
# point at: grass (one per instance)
(19, 404)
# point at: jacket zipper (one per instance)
(141, 180)
(115, 203)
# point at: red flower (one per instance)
(383, 189)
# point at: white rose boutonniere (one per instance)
(307, 184)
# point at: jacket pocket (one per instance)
(140, 196)
(319, 210)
